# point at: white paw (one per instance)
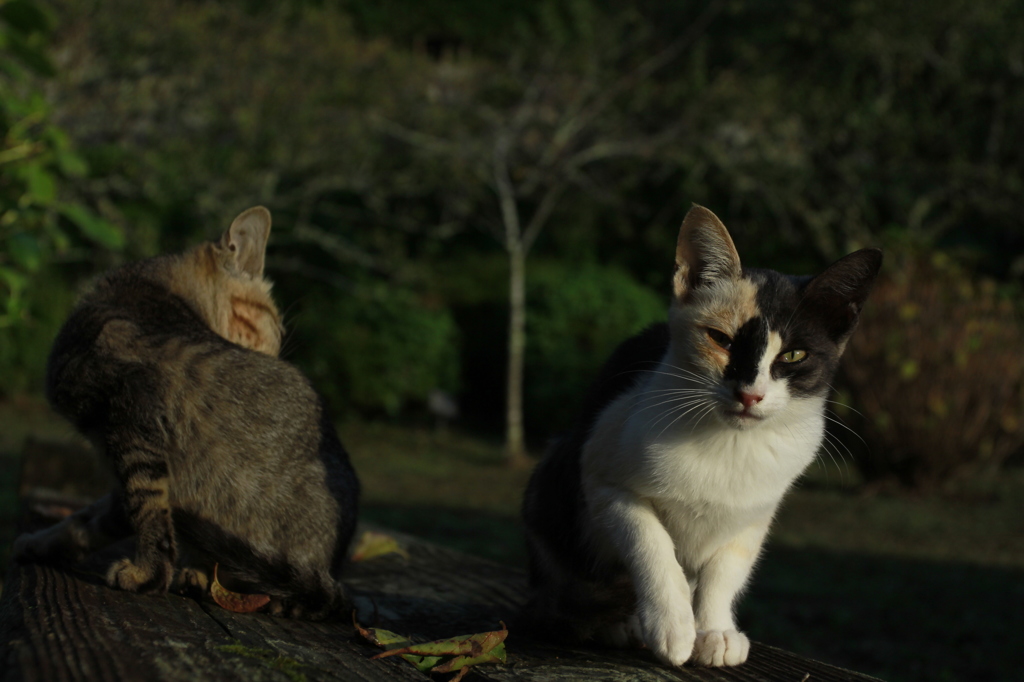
(669, 632)
(720, 647)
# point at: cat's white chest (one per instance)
(721, 466)
(706, 483)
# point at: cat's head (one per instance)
(756, 340)
(224, 280)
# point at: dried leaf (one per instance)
(462, 673)
(234, 601)
(390, 640)
(461, 652)
(466, 645)
(495, 655)
(380, 637)
(373, 544)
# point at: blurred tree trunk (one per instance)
(514, 437)
(516, 247)
(568, 128)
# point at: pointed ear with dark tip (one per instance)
(837, 295)
(704, 253)
(246, 239)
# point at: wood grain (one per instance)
(61, 626)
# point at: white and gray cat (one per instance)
(644, 522)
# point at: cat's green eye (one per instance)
(721, 338)
(793, 356)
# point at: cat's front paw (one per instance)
(130, 576)
(669, 632)
(720, 647)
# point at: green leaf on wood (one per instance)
(443, 655)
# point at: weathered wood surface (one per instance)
(60, 625)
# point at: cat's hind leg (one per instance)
(71, 540)
(146, 480)
(316, 598)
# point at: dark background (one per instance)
(379, 135)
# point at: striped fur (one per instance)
(224, 453)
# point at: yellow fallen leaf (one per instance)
(235, 601)
(372, 544)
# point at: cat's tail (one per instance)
(575, 611)
(296, 592)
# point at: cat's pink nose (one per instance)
(748, 399)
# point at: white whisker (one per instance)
(701, 417)
(668, 413)
(685, 400)
(835, 420)
(705, 403)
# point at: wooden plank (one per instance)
(67, 626)
(439, 593)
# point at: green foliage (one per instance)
(25, 346)
(829, 123)
(811, 128)
(576, 318)
(377, 348)
(40, 216)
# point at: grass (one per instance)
(906, 588)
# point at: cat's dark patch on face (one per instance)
(777, 298)
(801, 327)
(748, 347)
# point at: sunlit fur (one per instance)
(233, 302)
(223, 455)
(677, 478)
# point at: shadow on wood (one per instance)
(62, 625)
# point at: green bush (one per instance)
(376, 349)
(37, 166)
(936, 367)
(576, 317)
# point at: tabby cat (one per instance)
(223, 452)
(645, 521)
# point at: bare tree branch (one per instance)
(541, 215)
(421, 140)
(645, 70)
(301, 267)
(506, 191)
(335, 246)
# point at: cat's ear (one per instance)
(246, 239)
(837, 295)
(704, 253)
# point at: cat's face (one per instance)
(752, 342)
(224, 280)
